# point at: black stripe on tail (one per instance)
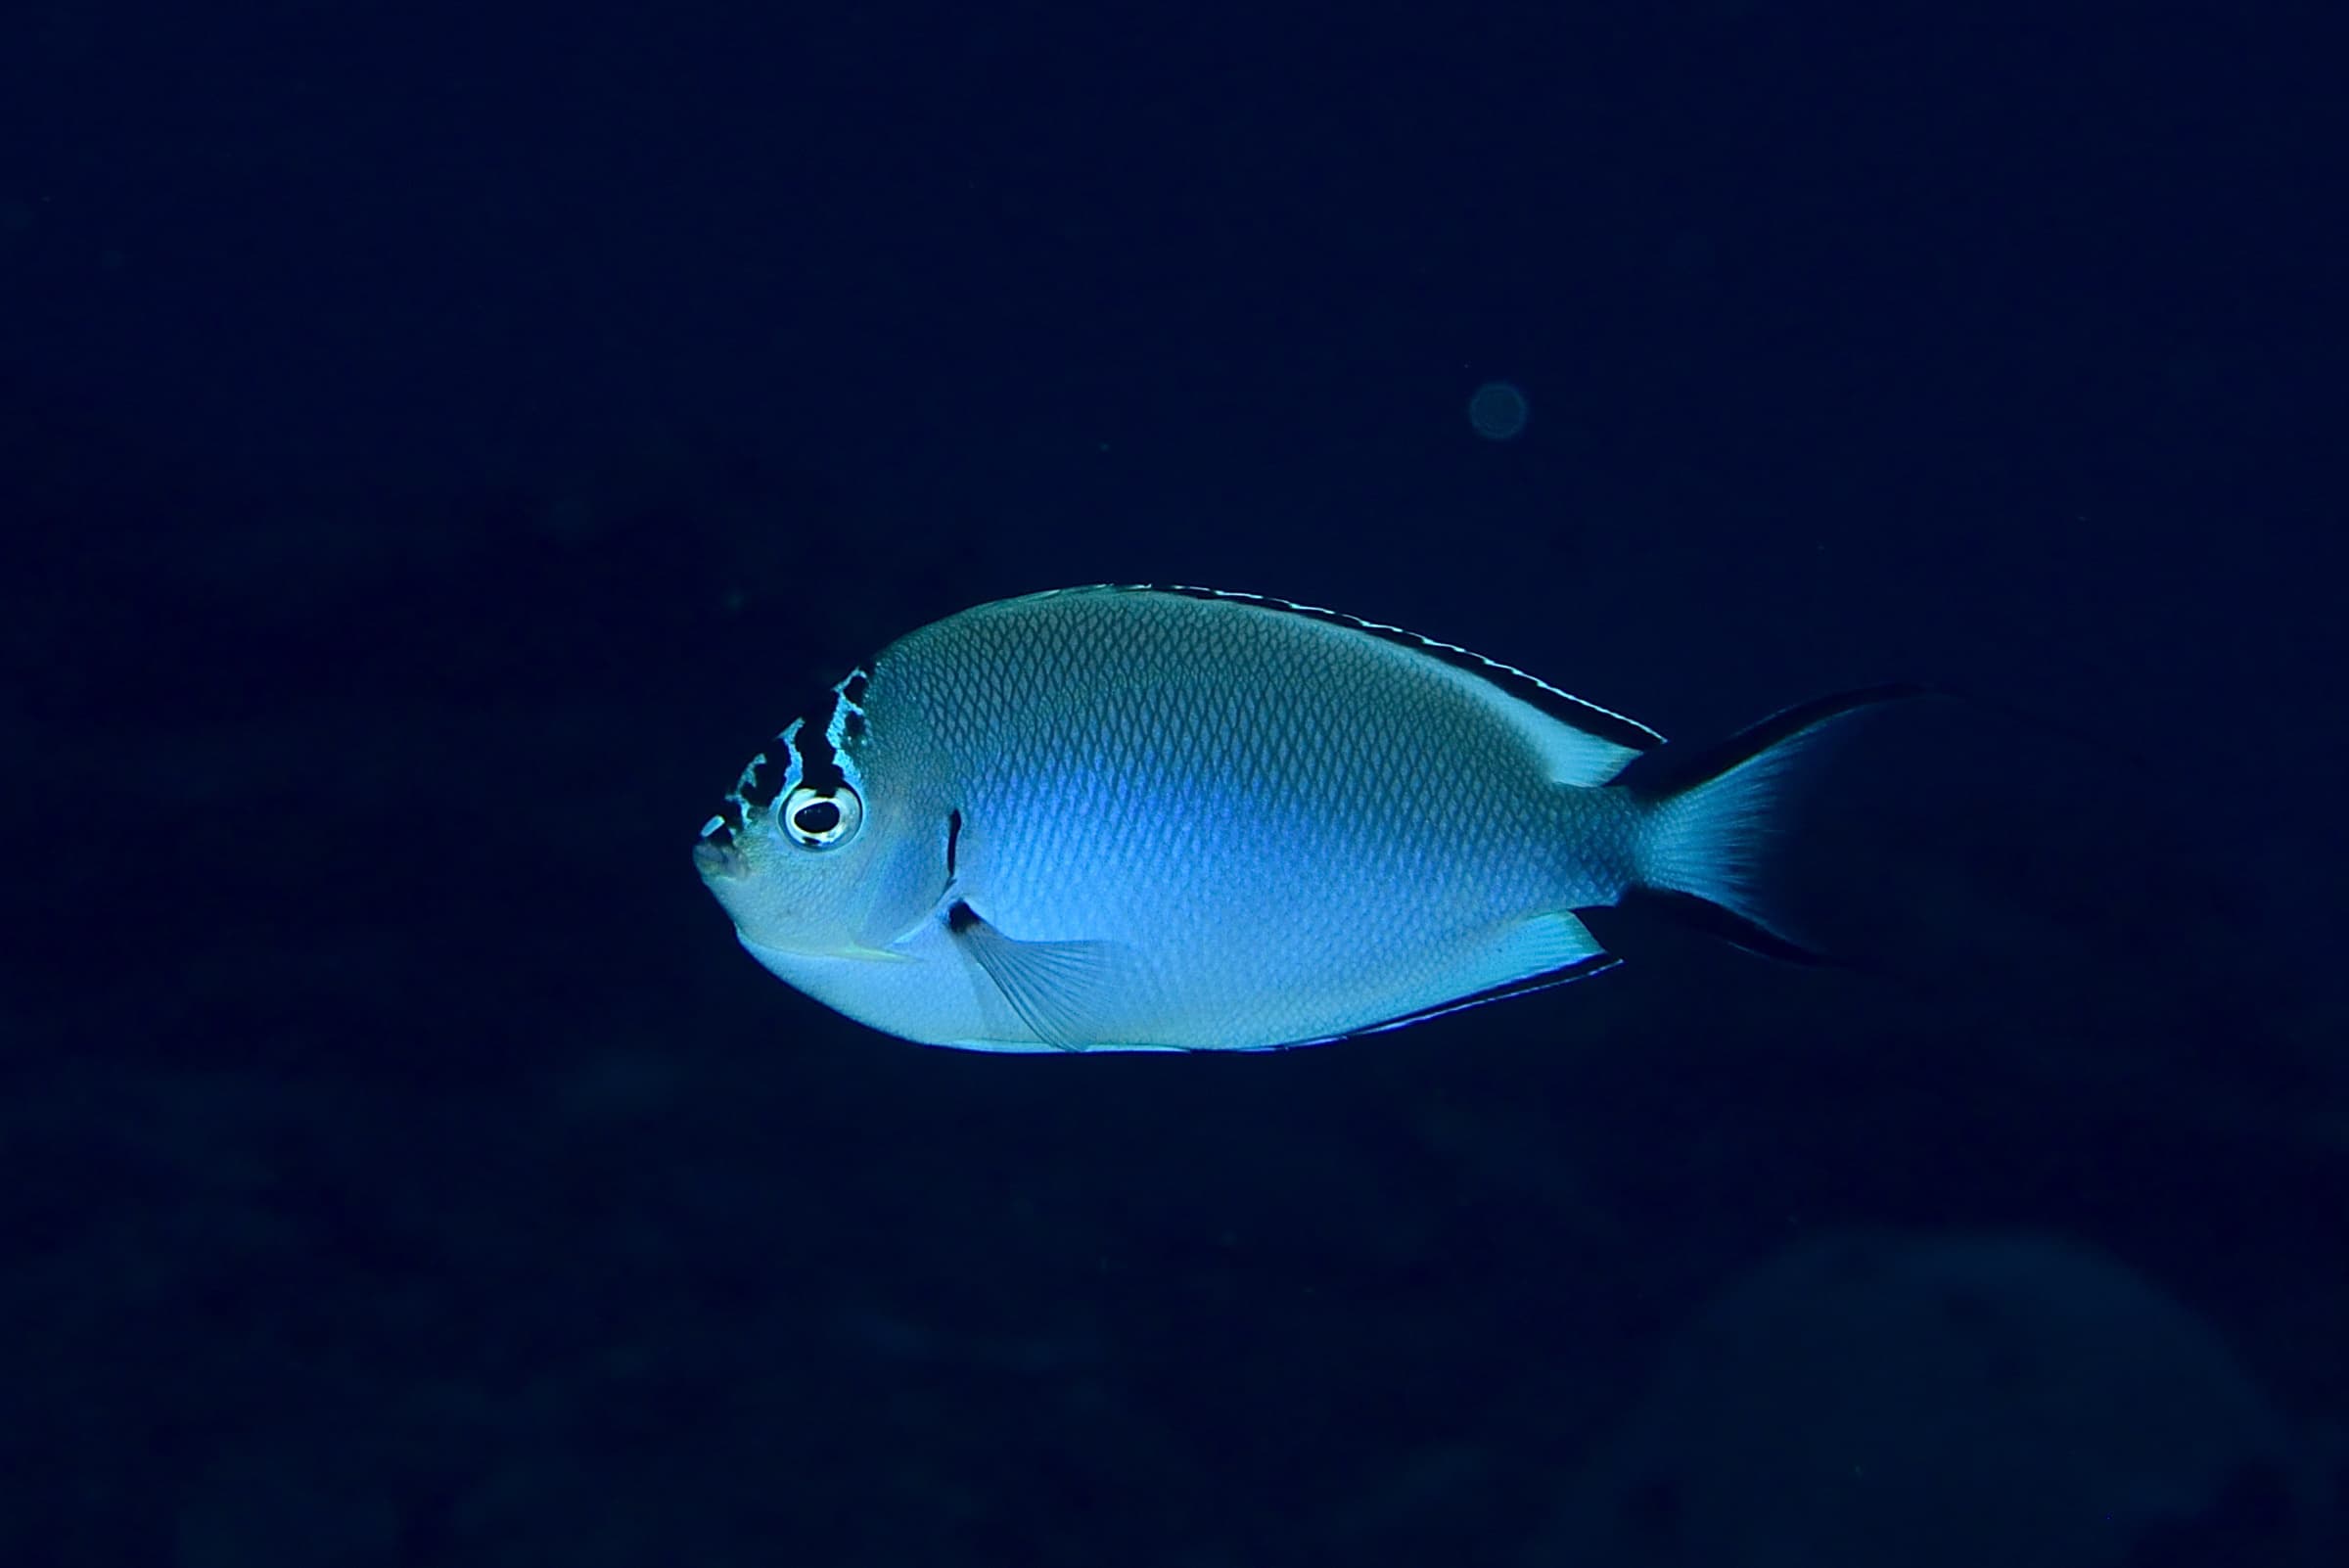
(1719, 885)
(1673, 771)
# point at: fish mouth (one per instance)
(720, 862)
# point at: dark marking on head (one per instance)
(809, 753)
(954, 839)
(762, 780)
(752, 788)
(804, 751)
(819, 763)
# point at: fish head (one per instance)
(821, 850)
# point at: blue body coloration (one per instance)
(1148, 818)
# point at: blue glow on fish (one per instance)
(1168, 819)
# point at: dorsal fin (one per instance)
(1605, 723)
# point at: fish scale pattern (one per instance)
(1274, 816)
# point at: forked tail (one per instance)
(1706, 838)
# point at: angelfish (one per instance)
(1137, 819)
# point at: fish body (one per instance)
(1151, 818)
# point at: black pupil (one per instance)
(816, 818)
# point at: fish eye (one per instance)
(820, 819)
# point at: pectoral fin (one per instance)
(1066, 991)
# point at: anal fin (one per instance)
(1551, 950)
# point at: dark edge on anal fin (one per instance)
(1581, 969)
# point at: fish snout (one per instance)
(717, 861)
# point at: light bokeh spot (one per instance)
(1498, 410)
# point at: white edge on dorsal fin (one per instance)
(1576, 743)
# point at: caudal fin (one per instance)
(1705, 840)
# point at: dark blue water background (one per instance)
(435, 442)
